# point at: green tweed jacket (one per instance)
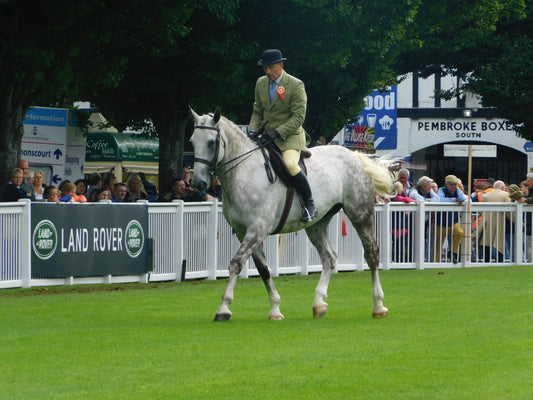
(286, 115)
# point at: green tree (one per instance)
(53, 52)
(203, 69)
(489, 42)
(340, 49)
(341, 57)
(504, 80)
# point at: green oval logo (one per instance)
(134, 238)
(44, 239)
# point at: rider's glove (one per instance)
(252, 134)
(270, 136)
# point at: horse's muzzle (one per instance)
(199, 184)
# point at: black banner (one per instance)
(91, 239)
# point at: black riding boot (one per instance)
(302, 186)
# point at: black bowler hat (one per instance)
(272, 56)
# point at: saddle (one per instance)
(274, 159)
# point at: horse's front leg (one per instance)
(235, 267)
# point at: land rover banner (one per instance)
(91, 239)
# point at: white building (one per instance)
(411, 123)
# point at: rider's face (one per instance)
(273, 71)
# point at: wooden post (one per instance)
(467, 242)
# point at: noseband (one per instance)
(213, 163)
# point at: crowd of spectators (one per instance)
(492, 232)
(25, 183)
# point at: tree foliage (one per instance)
(489, 42)
(53, 52)
(215, 64)
(340, 49)
(140, 60)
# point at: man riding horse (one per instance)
(281, 102)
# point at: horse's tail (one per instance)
(379, 172)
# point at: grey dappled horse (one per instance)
(253, 206)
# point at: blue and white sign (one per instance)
(380, 113)
(528, 146)
(53, 143)
(46, 116)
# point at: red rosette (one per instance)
(281, 91)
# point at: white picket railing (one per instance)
(195, 236)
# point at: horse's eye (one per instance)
(211, 142)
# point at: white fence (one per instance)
(195, 236)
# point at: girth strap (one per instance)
(288, 203)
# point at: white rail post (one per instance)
(212, 242)
(177, 261)
(385, 241)
(25, 243)
(420, 235)
(303, 252)
(519, 234)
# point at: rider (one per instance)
(281, 100)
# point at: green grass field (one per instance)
(450, 334)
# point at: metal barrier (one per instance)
(193, 240)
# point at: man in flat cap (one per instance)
(448, 222)
(281, 101)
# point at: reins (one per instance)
(213, 163)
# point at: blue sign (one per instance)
(528, 146)
(46, 116)
(380, 114)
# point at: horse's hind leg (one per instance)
(318, 235)
(275, 300)
(364, 224)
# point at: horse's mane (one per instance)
(232, 125)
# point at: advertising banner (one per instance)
(91, 239)
(375, 128)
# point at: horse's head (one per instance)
(208, 147)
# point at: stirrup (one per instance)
(309, 214)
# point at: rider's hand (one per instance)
(270, 136)
(252, 134)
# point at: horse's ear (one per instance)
(216, 117)
(194, 116)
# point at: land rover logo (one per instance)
(44, 239)
(134, 238)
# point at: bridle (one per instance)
(214, 162)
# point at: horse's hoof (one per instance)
(278, 317)
(222, 317)
(382, 314)
(319, 312)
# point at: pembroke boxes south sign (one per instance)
(91, 239)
